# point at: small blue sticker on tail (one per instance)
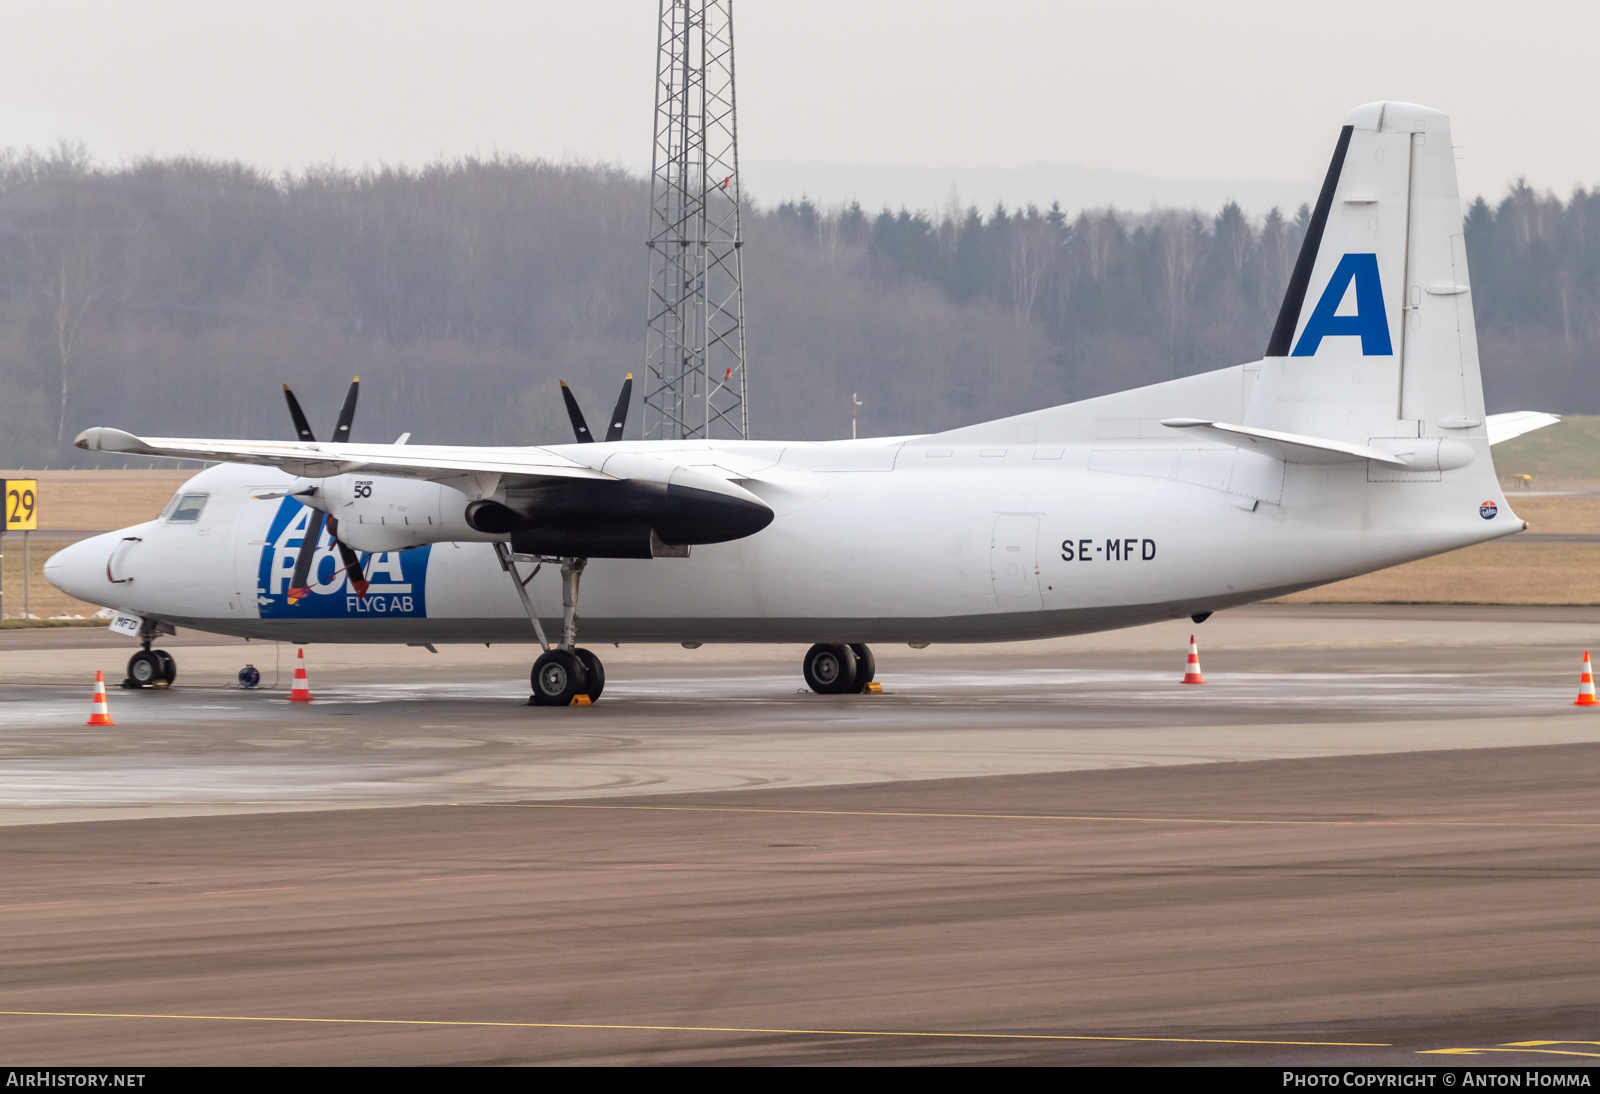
(397, 579)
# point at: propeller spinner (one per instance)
(299, 585)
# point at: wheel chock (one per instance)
(581, 700)
(872, 688)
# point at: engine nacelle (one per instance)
(378, 513)
(621, 518)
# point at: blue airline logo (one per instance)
(398, 579)
(1370, 323)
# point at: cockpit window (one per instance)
(187, 507)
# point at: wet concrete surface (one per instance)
(1371, 835)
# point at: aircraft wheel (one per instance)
(866, 665)
(169, 666)
(144, 669)
(830, 670)
(594, 674)
(557, 676)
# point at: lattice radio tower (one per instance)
(694, 339)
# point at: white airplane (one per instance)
(1359, 441)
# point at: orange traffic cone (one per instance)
(100, 714)
(300, 693)
(1586, 685)
(1192, 673)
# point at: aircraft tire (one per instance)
(557, 676)
(169, 665)
(594, 674)
(830, 669)
(144, 669)
(866, 665)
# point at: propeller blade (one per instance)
(579, 426)
(619, 416)
(302, 428)
(351, 560)
(299, 586)
(347, 413)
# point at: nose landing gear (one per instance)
(839, 669)
(151, 668)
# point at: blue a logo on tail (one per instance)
(1370, 323)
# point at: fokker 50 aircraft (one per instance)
(1359, 441)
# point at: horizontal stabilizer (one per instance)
(1514, 423)
(1289, 447)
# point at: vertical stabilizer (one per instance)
(1375, 337)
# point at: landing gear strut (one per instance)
(562, 672)
(838, 669)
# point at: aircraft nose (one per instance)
(80, 570)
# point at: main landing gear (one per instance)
(839, 669)
(150, 668)
(559, 676)
(563, 672)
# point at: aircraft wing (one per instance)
(437, 463)
(627, 504)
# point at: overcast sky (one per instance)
(1245, 90)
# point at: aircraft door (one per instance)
(250, 541)
(1014, 563)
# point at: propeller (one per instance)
(299, 585)
(619, 415)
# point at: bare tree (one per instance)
(1182, 243)
(1100, 233)
(1030, 256)
(62, 245)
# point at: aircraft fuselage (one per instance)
(888, 542)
